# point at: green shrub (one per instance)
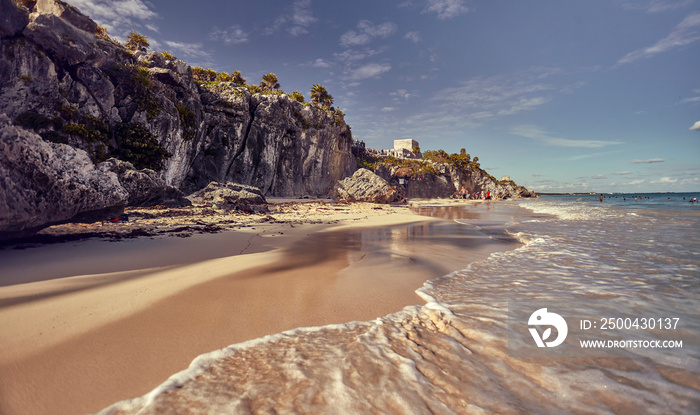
(168, 56)
(92, 130)
(137, 145)
(54, 137)
(297, 96)
(188, 121)
(136, 42)
(32, 120)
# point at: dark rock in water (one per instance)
(365, 186)
(228, 196)
(48, 183)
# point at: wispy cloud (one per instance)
(696, 126)
(649, 161)
(366, 32)
(654, 6)
(412, 36)
(623, 173)
(118, 16)
(497, 96)
(665, 180)
(232, 35)
(295, 21)
(685, 33)
(401, 95)
(191, 50)
(446, 9)
(535, 133)
(369, 70)
(321, 63)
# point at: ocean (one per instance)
(598, 311)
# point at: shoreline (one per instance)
(353, 265)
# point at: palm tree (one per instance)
(320, 96)
(297, 96)
(136, 42)
(269, 82)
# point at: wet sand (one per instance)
(141, 310)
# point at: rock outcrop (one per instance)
(365, 186)
(441, 180)
(48, 183)
(229, 196)
(63, 80)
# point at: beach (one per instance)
(89, 322)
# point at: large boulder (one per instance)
(228, 196)
(364, 186)
(45, 183)
(145, 187)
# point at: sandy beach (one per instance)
(88, 322)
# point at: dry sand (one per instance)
(90, 322)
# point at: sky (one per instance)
(562, 96)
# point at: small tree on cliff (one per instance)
(297, 96)
(237, 79)
(320, 96)
(269, 82)
(136, 42)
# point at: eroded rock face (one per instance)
(61, 81)
(364, 186)
(145, 187)
(46, 183)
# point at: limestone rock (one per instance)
(47, 183)
(62, 40)
(145, 187)
(228, 196)
(12, 18)
(364, 186)
(66, 12)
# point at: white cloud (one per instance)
(696, 126)
(402, 95)
(446, 9)
(665, 180)
(649, 161)
(685, 33)
(599, 177)
(481, 99)
(192, 50)
(388, 109)
(320, 63)
(366, 32)
(412, 36)
(535, 133)
(370, 70)
(623, 173)
(636, 182)
(118, 16)
(233, 34)
(297, 20)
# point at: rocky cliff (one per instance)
(66, 83)
(427, 179)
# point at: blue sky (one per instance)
(560, 95)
